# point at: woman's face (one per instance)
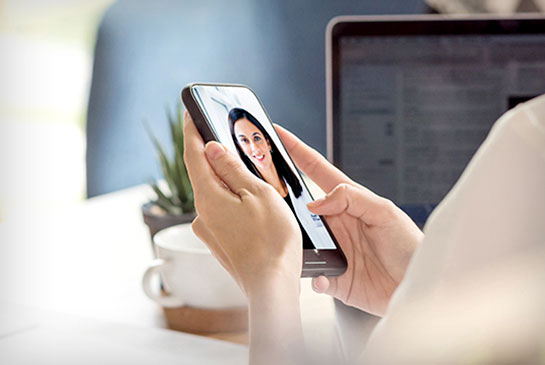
(253, 144)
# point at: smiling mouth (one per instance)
(260, 158)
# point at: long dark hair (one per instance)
(282, 168)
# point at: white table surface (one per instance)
(31, 336)
(88, 260)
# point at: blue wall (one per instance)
(148, 50)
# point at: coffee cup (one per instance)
(191, 276)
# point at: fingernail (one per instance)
(317, 202)
(214, 150)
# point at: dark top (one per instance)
(307, 243)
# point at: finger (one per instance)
(205, 235)
(358, 202)
(203, 178)
(320, 284)
(324, 285)
(230, 169)
(311, 162)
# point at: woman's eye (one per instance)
(243, 140)
(257, 138)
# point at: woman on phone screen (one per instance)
(260, 154)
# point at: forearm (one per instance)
(276, 335)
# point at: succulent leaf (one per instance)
(179, 199)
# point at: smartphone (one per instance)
(234, 116)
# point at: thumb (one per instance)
(357, 201)
(229, 168)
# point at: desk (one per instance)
(88, 261)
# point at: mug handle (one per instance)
(169, 300)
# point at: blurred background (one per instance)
(79, 79)
(46, 50)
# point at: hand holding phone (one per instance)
(251, 244)
(377, 237)
(234, 116)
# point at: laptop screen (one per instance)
(412, 100)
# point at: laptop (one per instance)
(411, 98)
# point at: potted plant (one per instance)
(174, 204)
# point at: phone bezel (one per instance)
(316, 262)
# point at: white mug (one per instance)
(191, 276)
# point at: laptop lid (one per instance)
(411, 98)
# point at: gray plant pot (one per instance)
(156, 219)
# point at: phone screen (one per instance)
(241, 124)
